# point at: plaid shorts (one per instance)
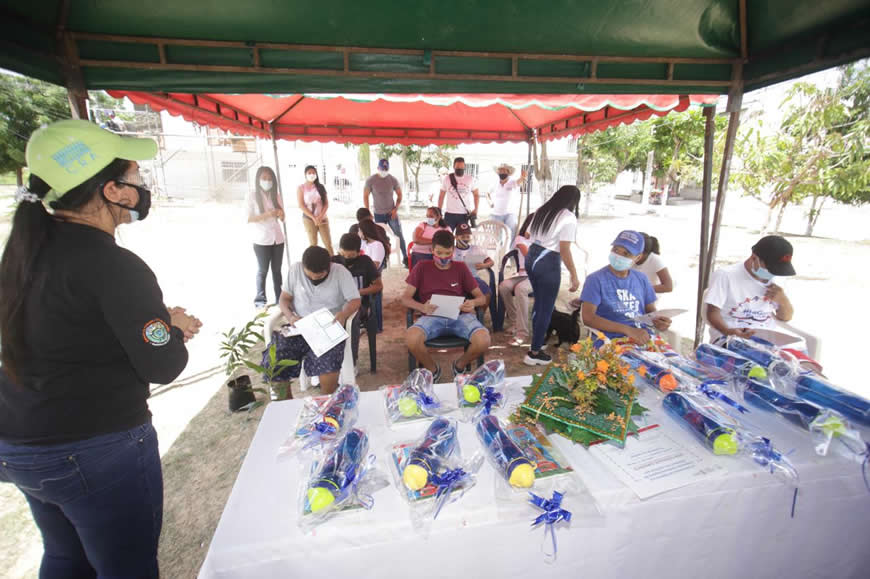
(296, 348)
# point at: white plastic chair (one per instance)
(394, 248)
(494, 237)
(347, 375)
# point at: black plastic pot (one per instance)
(240, 393)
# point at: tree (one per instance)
(678, 142)
(25, 105)
(819, 150)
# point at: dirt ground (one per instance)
(203, 261)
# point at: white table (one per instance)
(737, 525)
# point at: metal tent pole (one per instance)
(281, 193)
(709, 128)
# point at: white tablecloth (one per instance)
(737, 525)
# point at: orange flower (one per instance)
(623, 370)
(581, 375)
(641, 370)
(602, 366)
(575, 348)
(602, 377)
(631, 379)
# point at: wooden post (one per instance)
(706, 190)
(280, 192)
(735, 102)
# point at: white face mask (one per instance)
(265, 185)
(430, 220)
(383, 173)
(310, 177)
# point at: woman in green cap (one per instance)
(83, 332)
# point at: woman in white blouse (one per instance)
(652, 266)
(265, 213)
(371, 245)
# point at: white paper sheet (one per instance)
(320, 330)
(776, 337)
(656, 461)
(448, 306)
(671, 313)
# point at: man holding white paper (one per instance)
(431, 281)
(315, 283)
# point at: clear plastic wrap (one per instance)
(482, 390)
(726, 437)
(430, 472)
(323, 420)
(413, 400)
(653, 368)
(820, 391)
(342, 480)
(775, 362)
(825, 425)
(506, 456)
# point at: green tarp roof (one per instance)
(445, 46)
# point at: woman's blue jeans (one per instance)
(98, 502)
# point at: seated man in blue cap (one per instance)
(616, 294)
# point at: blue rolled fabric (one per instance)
(338, 471)
(429, 456)
(709, 389)
(717, 437)
(794, 410)
(506, 454)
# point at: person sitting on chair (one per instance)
(516, 290)
(744, 296)
(473, 256)
(312, 284)
(616, 294)
(365, 274)
(443, 276)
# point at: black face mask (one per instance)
(350, 260)
(502, 176)
(459, 172)
(142, 206)
(318, 281)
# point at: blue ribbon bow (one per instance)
(707, 388)
(490, 398)
(427, 402)
(765, 455)
(446, 483)
(553, 513)
(351, 484)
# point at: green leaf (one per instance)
(256, 367)
(286, 363)
(273, 349)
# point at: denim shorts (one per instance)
(437, 326)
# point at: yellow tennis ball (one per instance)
(725, 444)
(471, 393)
(319, 498)
(415, 477)
(758, 372)
(408, 407)
(523, 476)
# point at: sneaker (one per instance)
(457, 371)
(518, 341)
(540, 358)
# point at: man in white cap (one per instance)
(501, 196)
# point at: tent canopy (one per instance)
(444, 46)
(414, 119)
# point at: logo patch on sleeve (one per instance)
(156, 333)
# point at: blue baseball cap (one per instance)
(384, 165)
(631, 241)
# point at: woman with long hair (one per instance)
(553, 230)
(371, 243)
(265, 210)
(651, 265)
(83, 332)
(433, 223)
(314, 203)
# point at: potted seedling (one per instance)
(235, 349)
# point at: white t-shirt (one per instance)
(373, 249)
(740, 298)
(464, 187)
(563, 228)
(333, 293)
(268, 231)
(521, 259)
(651, 268)
(501, 196)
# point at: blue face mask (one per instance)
(619, 262)
(762, 273)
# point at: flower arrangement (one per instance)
(586, 396)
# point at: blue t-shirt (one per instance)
(618, 299)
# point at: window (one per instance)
(233, 172)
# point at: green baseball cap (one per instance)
(68, 153)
